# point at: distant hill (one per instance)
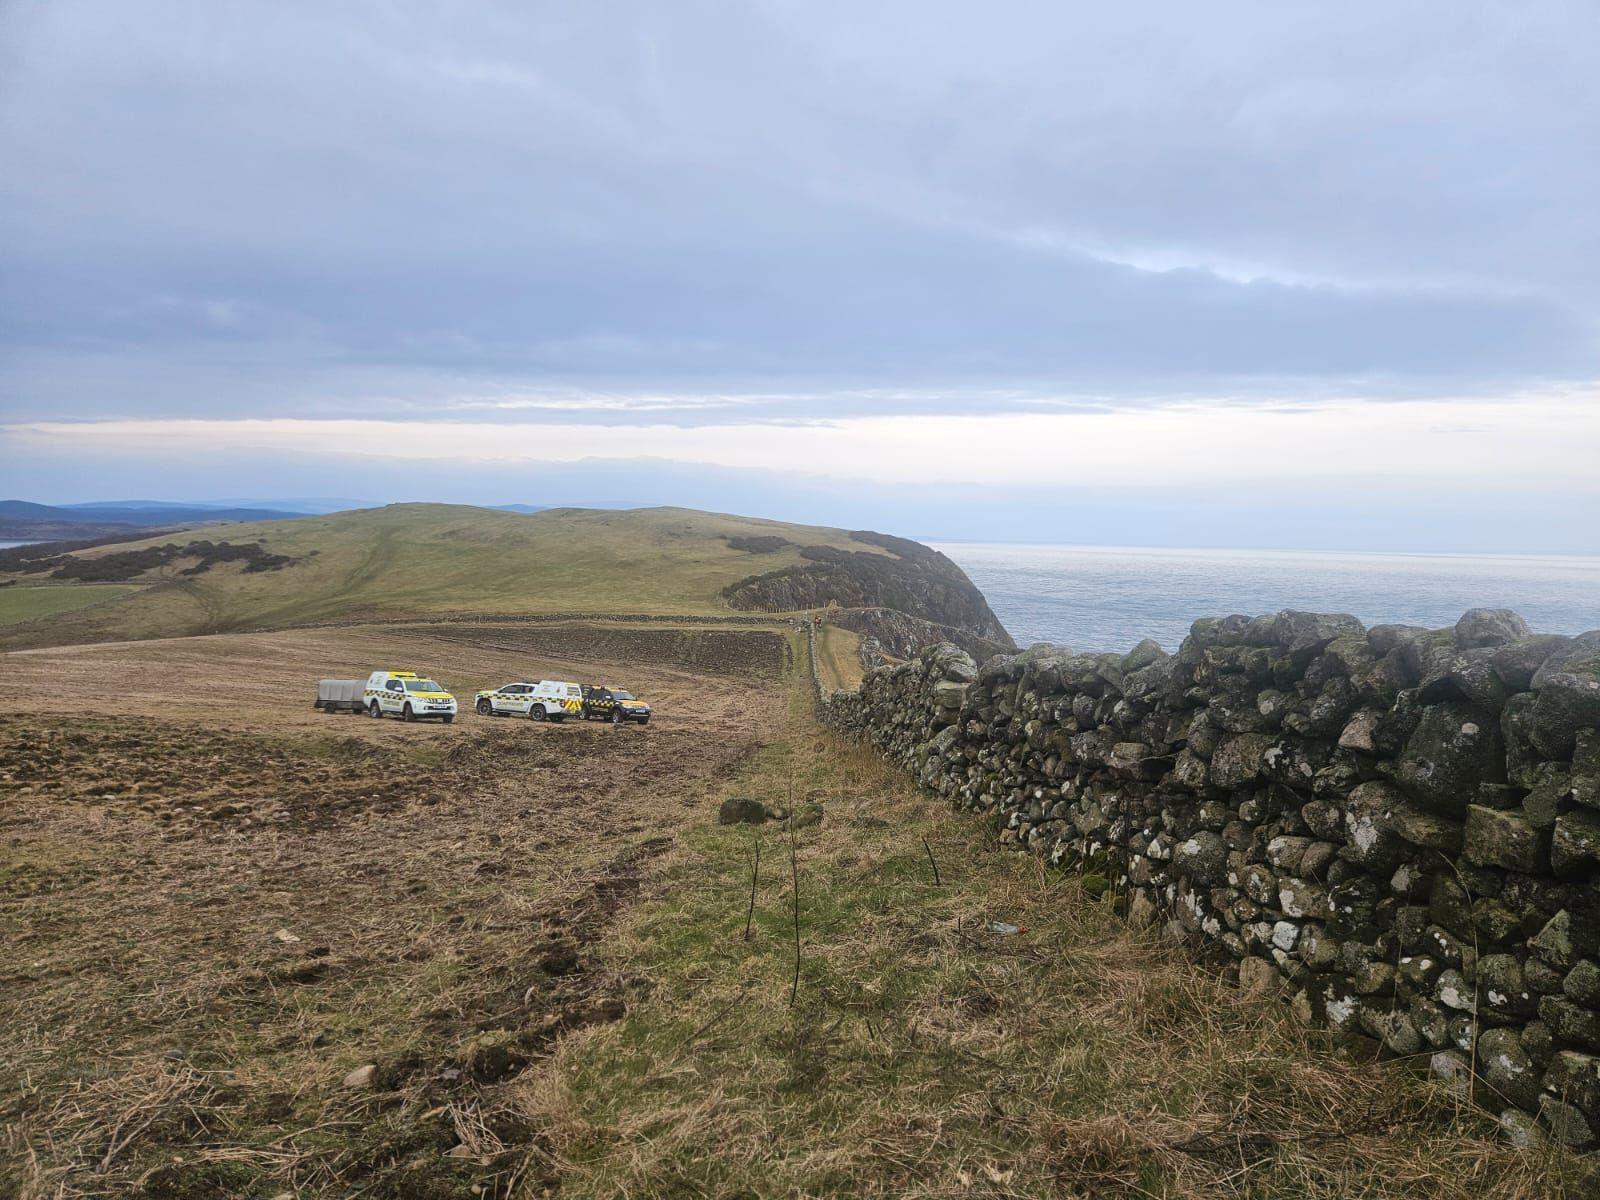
(23, 519)
(425, 560)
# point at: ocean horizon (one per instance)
(1109, 598)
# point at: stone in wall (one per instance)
(1397, 829)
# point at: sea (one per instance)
(1100, 598)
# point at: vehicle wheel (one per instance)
(486, 707)
(537, 712)
(375, 711)
(616, 716)
(644, 720)
(407, 714)
(449, 718)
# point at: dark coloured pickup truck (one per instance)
(613, 704)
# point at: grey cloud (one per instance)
(241, 208)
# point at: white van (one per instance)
(547, 700)
(407, 695)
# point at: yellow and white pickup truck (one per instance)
(407, 695)
(547, 700)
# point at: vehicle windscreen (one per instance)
(422, 685)
(619, 695)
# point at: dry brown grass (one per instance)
(839, 657)
(210, 920)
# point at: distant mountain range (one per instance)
(23, 520)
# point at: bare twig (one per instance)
(794, 883)
(715, 1017)
(932, 863)
(755, 874)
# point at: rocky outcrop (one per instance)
(911, 578)
(1395, 829)
(900, 635)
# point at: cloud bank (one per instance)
(884, 242)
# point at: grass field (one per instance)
(922, 1055)
(30, 603)
(215, 908)
(254, 950)
(418, 560)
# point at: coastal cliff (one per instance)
(912, 579)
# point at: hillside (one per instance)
(426, 560)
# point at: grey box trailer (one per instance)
(341, 695)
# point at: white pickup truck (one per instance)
(403, 694)
(547, 700)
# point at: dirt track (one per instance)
(218, 901)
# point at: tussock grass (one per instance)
(926, 1056)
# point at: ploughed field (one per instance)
(218, 903)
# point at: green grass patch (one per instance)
(18, 603)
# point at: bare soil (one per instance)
(218, 902)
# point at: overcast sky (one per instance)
(1219, 274)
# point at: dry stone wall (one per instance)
(1397, 829)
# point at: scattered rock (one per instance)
(807, 815)
(741, 810)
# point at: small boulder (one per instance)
(1567, 1123)
(1202, 858)
(807, 815)
(1419, 827)
(1568, 696)
(1577, 1077)
(1455, 748)
(1507, 1068)
(1142, 655)
(1361, 731)
(741, 810)
(361, 1077)
(1480, 627)
(1503, 839)
(1521, 1130)
(1575, 845)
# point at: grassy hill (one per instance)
(420, 560)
